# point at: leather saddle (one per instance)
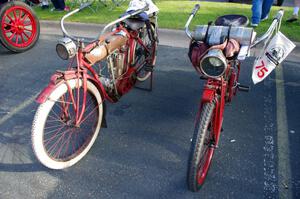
(134, 23)
(232, 20)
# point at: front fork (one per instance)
(79, 111)
(215, 91)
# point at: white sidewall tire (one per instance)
(41, 117)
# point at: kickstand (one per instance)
(149, 88)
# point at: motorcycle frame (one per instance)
(221, 91)
(82, 69)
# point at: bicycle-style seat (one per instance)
(134, 23)
(232, 20)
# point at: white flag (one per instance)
(277, 50)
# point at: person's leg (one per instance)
(266, 7)
(45, 4)
(256, 11)
(55, 4)
(294, 17)
(297, 3)
(296, 11)
(61, 4)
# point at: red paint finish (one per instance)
(18, 26)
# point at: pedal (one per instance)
(149, 68)
(243, 88)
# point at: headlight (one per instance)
(213, 64)
(65, 48)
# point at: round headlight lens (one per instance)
(213, 64)
(215, 61)
(66, 48)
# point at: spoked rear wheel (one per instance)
(20, 28)
(57, 140)
(145, 72)
(202, 148)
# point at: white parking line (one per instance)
(284, 168)
(17, 109)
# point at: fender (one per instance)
(60, 77)
(208, 95)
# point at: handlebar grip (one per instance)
(279, 14)
(84, 5)
(195, 10)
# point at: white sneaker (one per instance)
(254, 24)
(263, 19)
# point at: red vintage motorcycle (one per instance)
(216, 51)
(71, 111)
(19, 26)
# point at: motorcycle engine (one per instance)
(125, 76)
(127, 81)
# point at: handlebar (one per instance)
(193, 13)
(65, 33)
(195, 10)
(279, 15)
(85, 5)
(275, 25)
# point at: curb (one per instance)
(178, 34)
(48, 23)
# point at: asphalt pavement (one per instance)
(144, 151)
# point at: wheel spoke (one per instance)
(9, 17)
(49, 132)
(22, 39)
(88, 115)
(56, 114)
(54, 126)
(9, 24)
(63, 144)
(9, 30)
(17, 39)
(58, 134)
(68, 143)
(15, 15)
(47, 141)
(57, 142)
(26, 35)
(20, 14)
(10, 38)
(55, 120)
(29, 30)
(24, 18)
(27, 24)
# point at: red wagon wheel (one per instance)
(20, 28)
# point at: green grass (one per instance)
(173, 14)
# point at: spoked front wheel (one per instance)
(202, 148)
(57, 139)
(19, 26)
(150, 58)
